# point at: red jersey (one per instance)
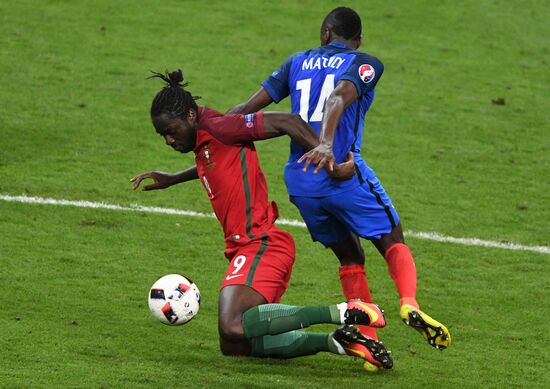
(231, 174)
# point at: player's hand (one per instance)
(161, 180)
(345, 170)
(321, 156)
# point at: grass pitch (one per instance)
(458, 134)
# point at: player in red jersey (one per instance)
(261, 256)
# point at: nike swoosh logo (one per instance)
(231, 277)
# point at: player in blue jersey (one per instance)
(332, 88)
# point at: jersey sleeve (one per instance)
(236, 129)
(277, 83)
(364, 72)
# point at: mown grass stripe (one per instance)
(433, 236)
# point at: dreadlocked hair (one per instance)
(173, 99)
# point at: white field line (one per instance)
(295, 223)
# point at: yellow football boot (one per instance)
(435, 333)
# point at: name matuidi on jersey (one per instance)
(322, 62)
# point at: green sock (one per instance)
(272, 319)
(291, 344)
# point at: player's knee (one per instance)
(231, 329)
(232, 340)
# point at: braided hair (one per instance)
(173, 99)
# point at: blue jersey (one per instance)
(309, 77)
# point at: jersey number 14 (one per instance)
(304, 86)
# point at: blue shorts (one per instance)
(365, 210)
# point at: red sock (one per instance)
(402, 270)
(355, 286)
(354, 283)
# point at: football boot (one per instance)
(356, 344)
(434, 332)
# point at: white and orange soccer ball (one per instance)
(174, 299)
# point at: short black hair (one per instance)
(173, 99)
(344, 22)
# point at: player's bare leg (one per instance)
(349, 252)
(403, 272)
(234, 300)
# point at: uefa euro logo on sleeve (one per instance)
(367, 73)
(249, 119)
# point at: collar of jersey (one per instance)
(339, 44)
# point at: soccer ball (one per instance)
(174, 299)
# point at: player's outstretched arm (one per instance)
(279, 123)
(163, 180)
(344, 170)
(256, 102)
(341, 97)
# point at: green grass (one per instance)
(74, 125)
